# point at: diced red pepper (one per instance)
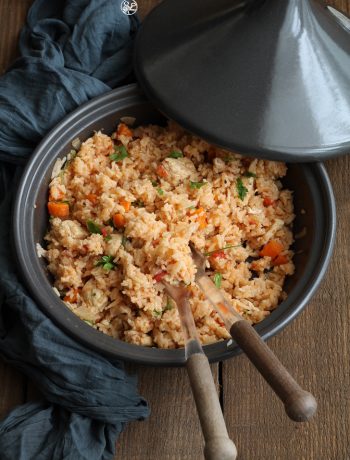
(159, 276)
(72, 297)
(268, 201)
(104, 232)
(220, 254)
(161, 171)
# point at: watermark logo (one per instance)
(129, 7)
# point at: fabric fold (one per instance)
(70, 52)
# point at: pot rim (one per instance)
(34, 276)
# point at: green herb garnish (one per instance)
(108, 238)
(160, 191)
(124, 240)
(249, 174)
(111, 223)
(154, 183)
(241, 189)
(228, 159)
(175, 154)
(217, 280)
(93, 227)
(196, 185)
(157, 313)
(120, 153)
(106, 262)
(229, 246)
(138, 204)
(169, 305)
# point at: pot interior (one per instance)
(314, 209)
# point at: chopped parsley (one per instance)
(155, 183)
(228, 159)
(196, 185)
(157, 313)
(249, 174)
(176, 154)
(229, 246)
(138, 204)
(93, 227)
(106, 262)
(124, 240)
(241, 189)
(217, 280)
(169, 305)
(108, 238)
(160, 191)
(119, 154)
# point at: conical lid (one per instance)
(270, 78)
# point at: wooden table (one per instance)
(315, 347)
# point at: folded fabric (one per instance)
(70, 51)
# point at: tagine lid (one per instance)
(268, 78)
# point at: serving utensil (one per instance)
(218, 446)
(299, 404)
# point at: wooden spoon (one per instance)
(299, 404)
(218, 446)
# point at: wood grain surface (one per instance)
(315, 348)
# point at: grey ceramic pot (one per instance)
(312, 193)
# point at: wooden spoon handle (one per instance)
(299, 404)
(218, 446)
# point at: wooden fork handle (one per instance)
(218, 446)
(299, 404)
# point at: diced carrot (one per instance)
(268, 201)
(223, 308)
(218, 255)
(280, 260)
(72, 297)
(202, 220)
(92, 198)
(124, 130)
(126, 204)
(119, 220)
(272, 249)
(161, 171)
(159, 276)
(58, 209)
(192, 212)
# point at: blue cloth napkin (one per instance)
(71, 51)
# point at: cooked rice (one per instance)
(195, 197)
